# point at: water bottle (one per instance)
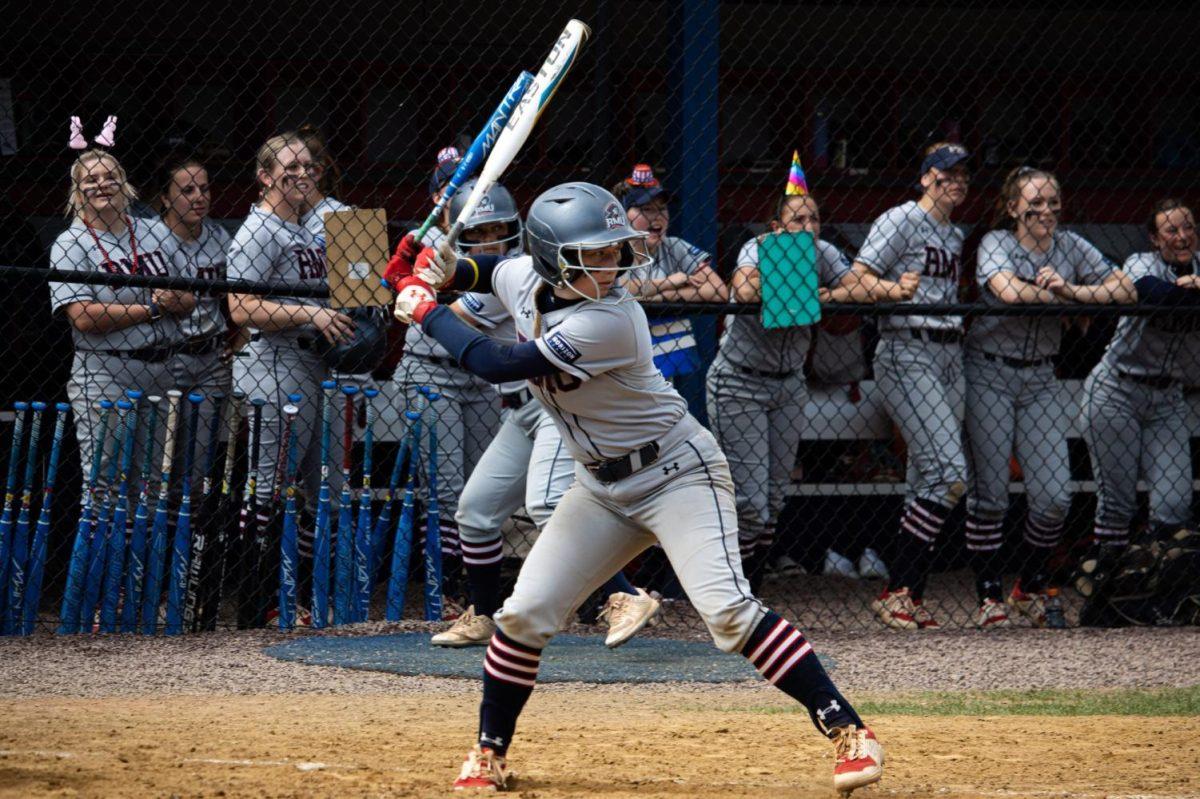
(1055, 618)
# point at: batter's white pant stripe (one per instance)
(783, 670)
(776, 631)
(737, 574)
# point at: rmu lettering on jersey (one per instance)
(939, 263)
(311, 262)
(150, 263)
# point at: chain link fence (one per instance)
(927, 275)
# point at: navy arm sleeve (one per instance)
(482, 356)
(1154, 291)
(474, 274)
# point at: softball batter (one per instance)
(913, 253)
(646, 471)
(1133, 404)
(1015, 404)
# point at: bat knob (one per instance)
(124, 405)
(133, 394)
(218, 396)
(195, 398)
(238, 394)
(433, 396)
(38, 406)
(258, 402)
(328, 384)
(62, 407)
(154, 399)
(21, 406)
(107, 404)
(291, 410)
(371, 393)
(423, 390)
(295, 398)
(412, 416)
(349, 390)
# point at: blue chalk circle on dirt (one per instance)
(568, 658)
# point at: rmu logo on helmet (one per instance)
(486, 206)
(614, 217)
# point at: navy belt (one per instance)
(1016, 363)
(746, 370)
(611, 471)
(147, 354)
(1154, 381)
(936, 336)
(302, 342)
(200, 346)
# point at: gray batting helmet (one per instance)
(365, 348)
(496, 205)
(574, 217)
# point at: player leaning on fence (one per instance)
(913, 253)
(1133, 413)
(124, 337)
(756, 385)
(1015, 404)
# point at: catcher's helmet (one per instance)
(574, 217)
(365, 348)
(496, 205)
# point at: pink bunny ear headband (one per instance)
(106, 138)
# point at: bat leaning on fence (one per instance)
(68, 619)
(181, 549)
(433, 527)
(98, 554)
(320, 597)
(343, 589)
(203, 530)
(402, 544)
(18, 553)
(248, 527)
(158, 530)
(135, 572)
(115, 557)
(289, 548)
(10, 494)
(222, 519)
(362, 532)
(41, 532)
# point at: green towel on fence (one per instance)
(787, 266)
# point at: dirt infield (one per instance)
(212, 716)
(587, 743)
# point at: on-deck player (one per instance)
(756, 385)
(123, 336)
(913, 252)
(524, 464)
(1015, 403)
(646, 470)
(1133, 413)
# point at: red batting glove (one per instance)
(414, 299)
(400, 265)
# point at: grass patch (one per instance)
(1132, 702)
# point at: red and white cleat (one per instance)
(992, 615)
(483, 770)
(859, 759)
(896, 609)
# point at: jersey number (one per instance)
(559, 381)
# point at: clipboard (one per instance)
(787, 268)
(356, 253)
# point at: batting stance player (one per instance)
(273, 246)
(1133, 413)
(1015, 404)
(525, 463)
(646, 470)
(756, 386)
(912, 253)
(124, 337)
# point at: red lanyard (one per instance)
(132, 245)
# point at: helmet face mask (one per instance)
(574, 218)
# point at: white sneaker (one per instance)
(871, 566)
(467, 630)
(626, 615)
(838, 565)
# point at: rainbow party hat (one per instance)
(797, 185)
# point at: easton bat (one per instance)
(158, 530)
(98, 556)
(135, 571)
(480, 149)
(362, 532)
(289, 545)
(41, 533)
(320, 597)
(181, 550)
(203, 532)
(433, 528)
(533, 102)
(248, 521)
(10, 494)
(344, 591)
(115, 559)
(213, 581)
(68, 617)
(19, 551)
(402, 545)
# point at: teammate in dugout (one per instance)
(756, 385)
(1015, 404)
(646, 470)
(466, 414)
(1133, 413)
(913, 253)
(124, 336)
(281, 359)
(524, 464)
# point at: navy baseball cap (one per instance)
(945, 157)
(448, 158)
(643, 187)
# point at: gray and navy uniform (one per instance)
(526, 463)
(918, 363)
(673, 338)
(278, 363)
(467, 414)
(199, 362)
(756, 397)
(1133, 407)
(613, 406)
(106, 365)
(1015, 404)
